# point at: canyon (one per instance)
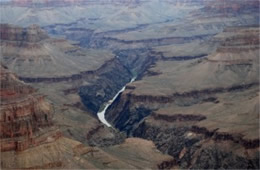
(208, 116)
(30, 137)
(67, 87)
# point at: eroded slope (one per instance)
(31, 53)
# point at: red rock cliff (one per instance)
(24, 113)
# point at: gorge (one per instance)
(101, 114)
(133, 84)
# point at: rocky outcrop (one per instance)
(25, 115)
(248, 144)
(193, 151)
(20, 35)
(94, 138)
(167, 164)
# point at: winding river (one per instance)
(101, 114)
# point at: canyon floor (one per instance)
(193, 104)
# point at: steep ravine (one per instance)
(101, 114)
(114, 76)
(106, 86)
(101, 89)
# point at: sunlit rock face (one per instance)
(24, 114)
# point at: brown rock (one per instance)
(24, 113)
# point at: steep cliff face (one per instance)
(199, 148)
(24, 114)
(200, 107)
(112, 77)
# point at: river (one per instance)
(101, 114)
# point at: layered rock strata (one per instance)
(26, 117)
(210, 111)
(35, 57)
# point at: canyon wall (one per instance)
(25, 115)
(205, 127)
